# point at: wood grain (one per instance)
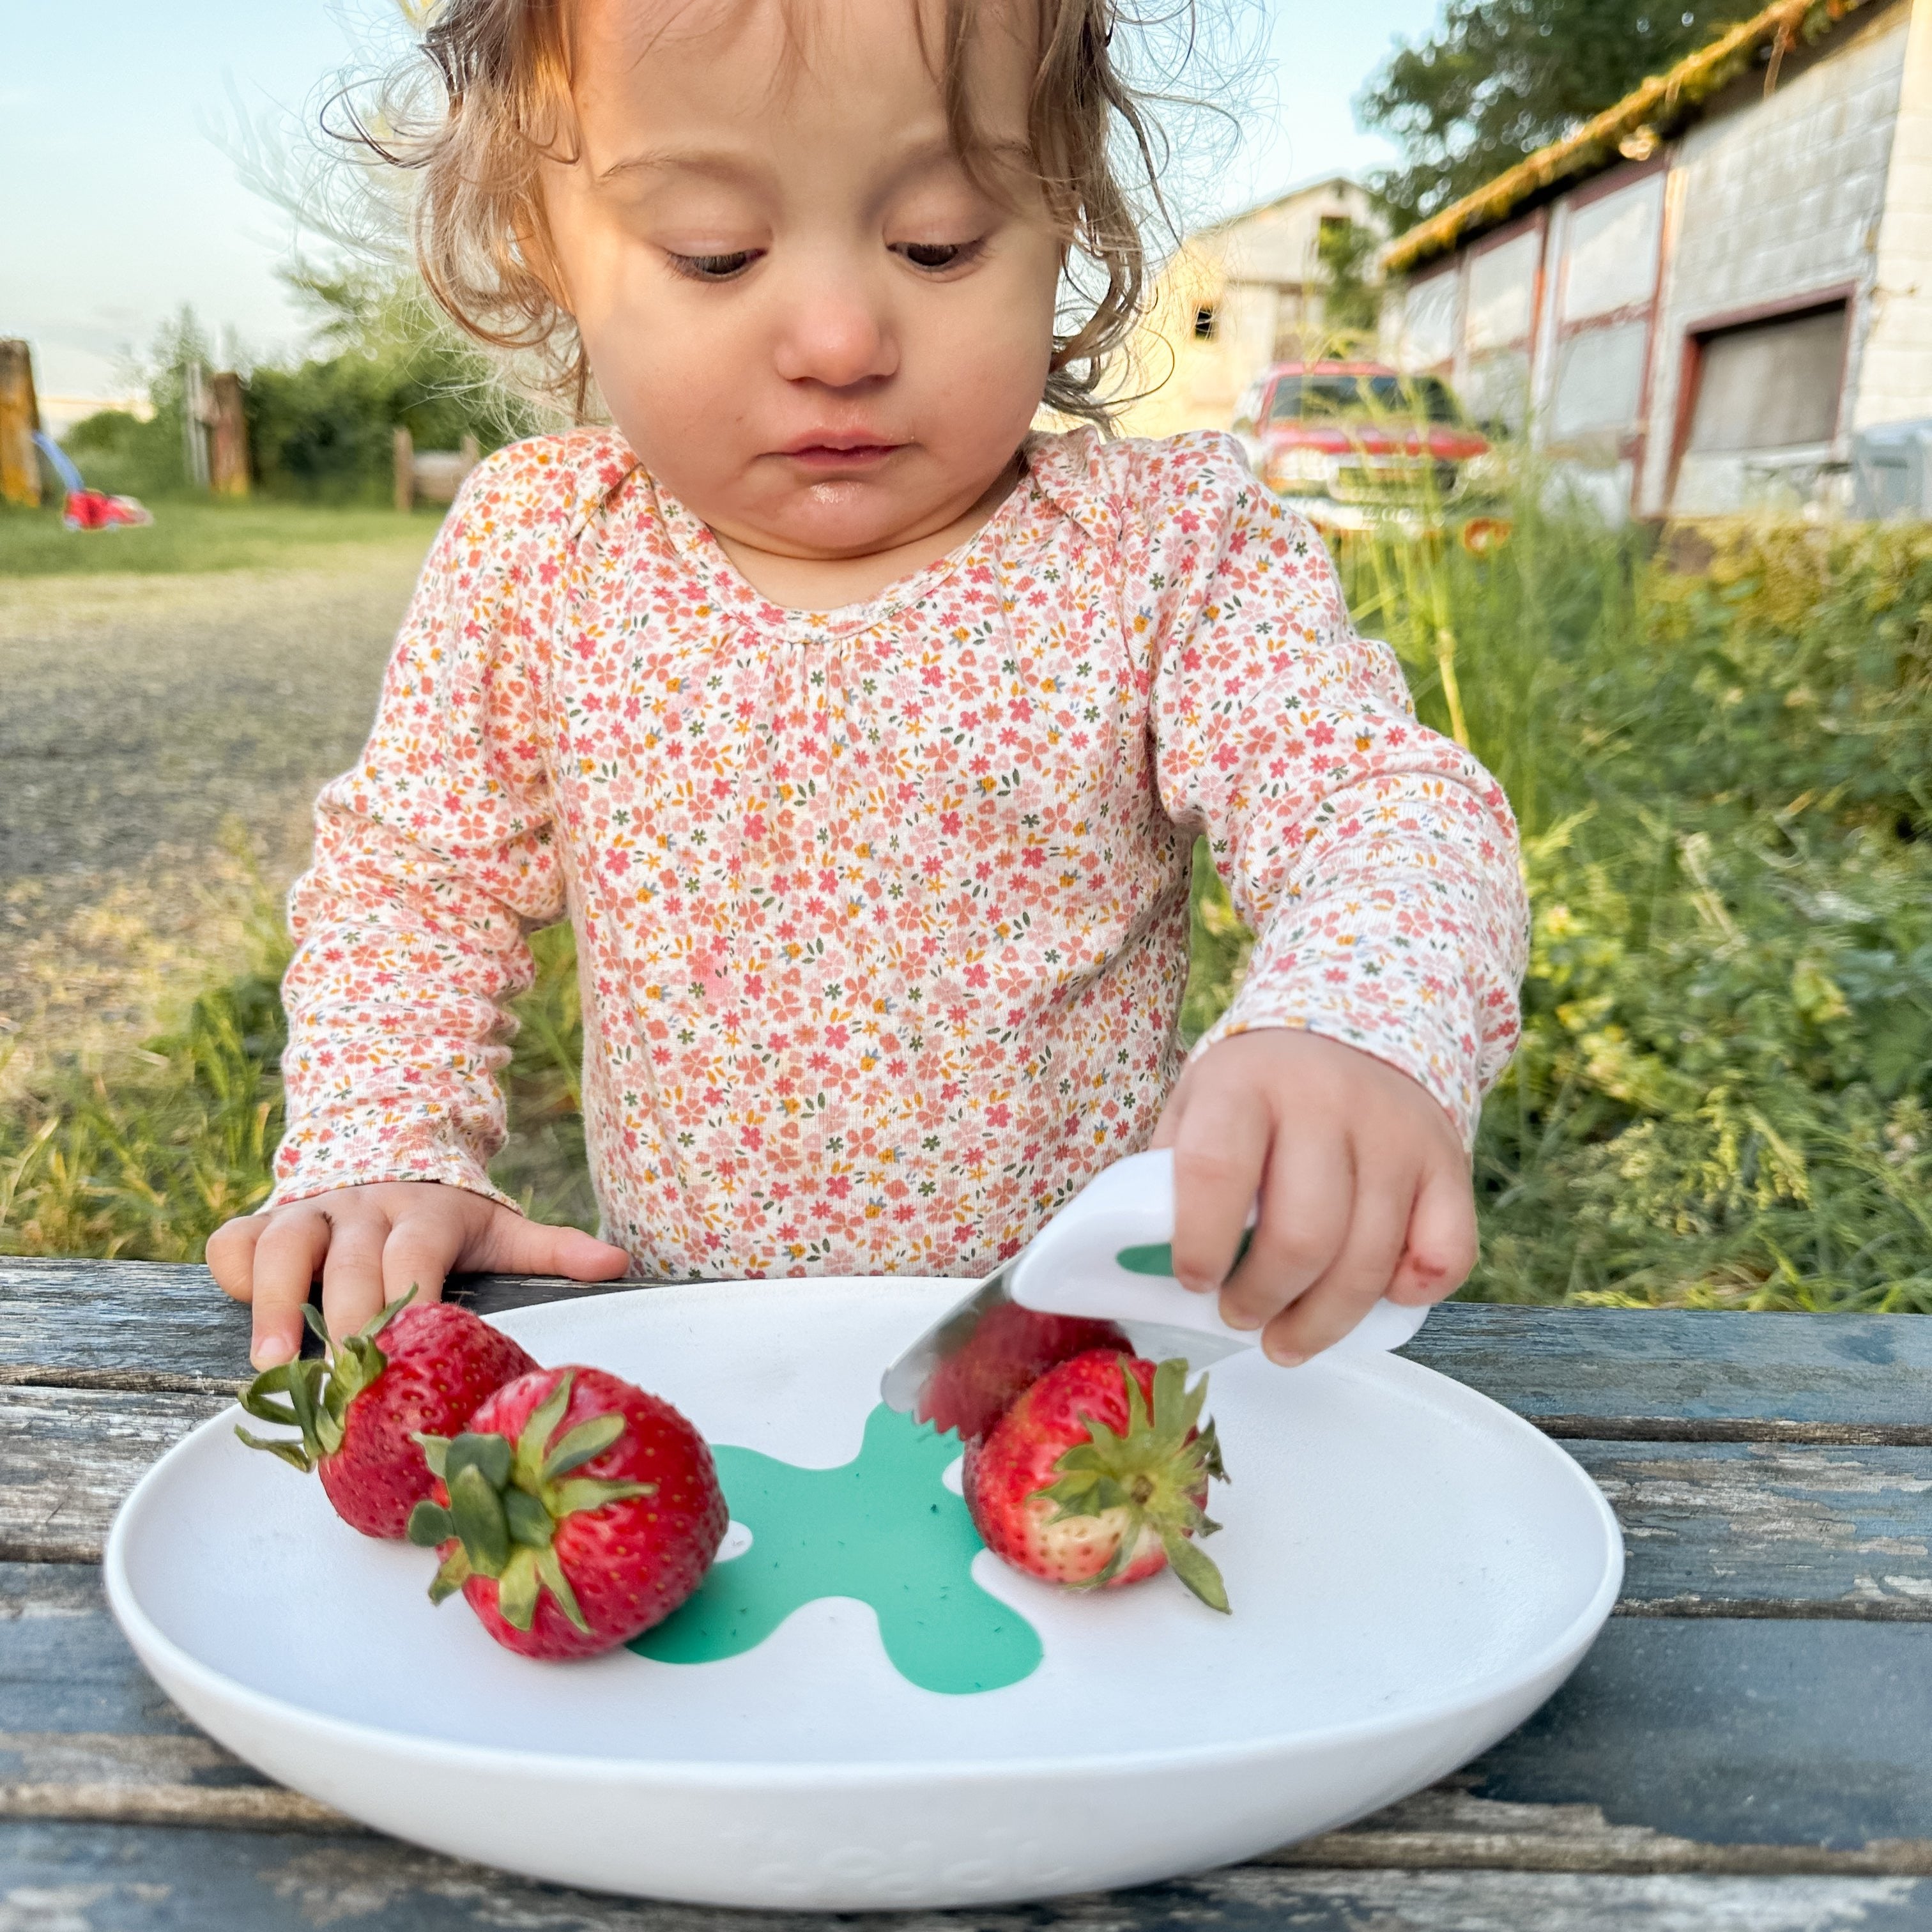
(1604, 1373)
(1743, 1529)
(68, 1456)
(1686, 1746)
(148, 1880)
(1734, 1530)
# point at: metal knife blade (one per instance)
(961, 1373)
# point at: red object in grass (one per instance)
(95, 510)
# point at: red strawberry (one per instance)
(1010, 1350)
(1097, 1476)
(568, 1544)
(360, 1410)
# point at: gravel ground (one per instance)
(161, 740)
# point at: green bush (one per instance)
(1722, 1092)
(117, 452)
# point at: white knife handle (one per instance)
(1101, 1256)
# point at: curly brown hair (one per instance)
(489, 96)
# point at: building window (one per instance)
(1204, 322)
(1769, 385)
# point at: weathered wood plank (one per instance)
(1690, 1746)
(1582, 1364)
(1578, 1368)
(1717, 1529)
(137, 1317)
(68, 1457)
(1710, 1529)
(134, 1880)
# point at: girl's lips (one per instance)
(850, 456)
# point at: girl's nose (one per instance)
(835, 330)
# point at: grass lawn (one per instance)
(194, 536)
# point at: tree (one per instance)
(1350, 301)
(1500, 78)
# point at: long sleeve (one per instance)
(434, 859)
(1375, 861)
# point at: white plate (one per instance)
(1413, 1571)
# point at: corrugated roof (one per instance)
(1661, 102)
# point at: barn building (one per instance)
(1237, 296)
(1697, 302)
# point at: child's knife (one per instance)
(1106, 1256)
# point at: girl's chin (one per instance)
(835, 524)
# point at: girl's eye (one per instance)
(937, 254)
(714, 268)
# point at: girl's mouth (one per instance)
(839, 453)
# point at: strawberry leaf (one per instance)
(292, 1453)
(450, 1578)
(583, 1444)
(517, 1590)
(488, 1454)
(533, 1444)
(558, 1584)
(478, 1513)
(529, 1521)
(430, 1525)
(1195, 1569)
(574, 1499)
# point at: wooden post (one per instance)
(194, 424)
(19, 417)
(227, 436)
(405, 470)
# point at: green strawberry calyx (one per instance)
(313, 1397)
(505, 1502)
(1153, 1472)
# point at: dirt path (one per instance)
(161, 739)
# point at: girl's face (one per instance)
(812, 326)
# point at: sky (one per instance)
(123, 202)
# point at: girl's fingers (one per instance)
(1442, 1246)
(1305, 1208)
(1219, 1152)
(286, 1259)
(423, 1244)
(351, 1276)
(231, 1255)
(520, 1247)
(1354, 1281)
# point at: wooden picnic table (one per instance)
(1749, 1746)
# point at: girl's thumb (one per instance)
(528, 1247)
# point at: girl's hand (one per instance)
(371, 1245)
(1363, 1184)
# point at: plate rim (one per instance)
(148, 1638)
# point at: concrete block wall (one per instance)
(1776, 199)
(1896, 382)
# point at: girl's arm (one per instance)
(433, 860)
(1376, 862)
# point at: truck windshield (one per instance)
(1329, 398)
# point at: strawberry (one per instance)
(414, 1368)
(1097, 1476)
(1009, 1351)
(567, 1544)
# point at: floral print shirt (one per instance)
(882, 912)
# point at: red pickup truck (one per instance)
(1358, 445)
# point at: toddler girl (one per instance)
(863, 734)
